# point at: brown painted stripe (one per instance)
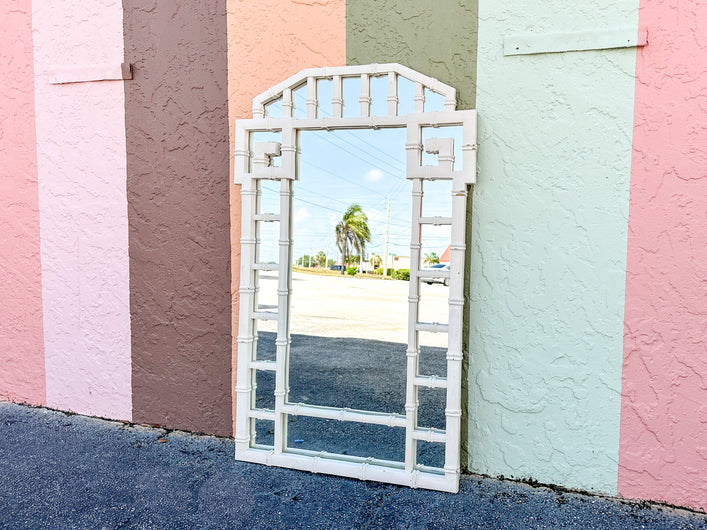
(178, 211)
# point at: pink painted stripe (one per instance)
(21, 342)
(83, 209)
(663, 447)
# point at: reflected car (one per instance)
(434, 268)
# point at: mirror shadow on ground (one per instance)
(69, 471)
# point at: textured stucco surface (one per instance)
(549, 247)
(435, 38)
(268, 41)
(21, 339)
(83, 210)
(177, 141)
(664, 405)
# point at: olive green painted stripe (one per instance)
(435, 38)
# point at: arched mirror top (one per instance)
(306, 84)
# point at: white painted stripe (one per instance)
(83, 211)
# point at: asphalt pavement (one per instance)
(348, 350)
(69, 471)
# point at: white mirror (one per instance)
(349, 356)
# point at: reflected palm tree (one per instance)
(375, 260)
(352, 233)
(431, 258)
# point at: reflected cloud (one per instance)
(301, 215)
(374, 175)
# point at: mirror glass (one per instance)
(351, 214)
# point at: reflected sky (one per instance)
(338, 168)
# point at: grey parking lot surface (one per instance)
(336, 372)
(70, 471)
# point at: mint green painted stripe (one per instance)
(435, 38)
(548, 254)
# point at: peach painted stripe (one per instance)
(663, 447)
(268, 41)
(21, 342)
(83, 210)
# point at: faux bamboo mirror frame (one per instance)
(257, 161)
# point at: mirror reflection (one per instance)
(351, 215)
(349, 312)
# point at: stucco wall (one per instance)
(269, 41)
(177, 160)
(549, 231)
(664, 407)
(83, 217)
(549, 247)
(21, 340)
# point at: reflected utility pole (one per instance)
(326, 254)
(387, 225)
